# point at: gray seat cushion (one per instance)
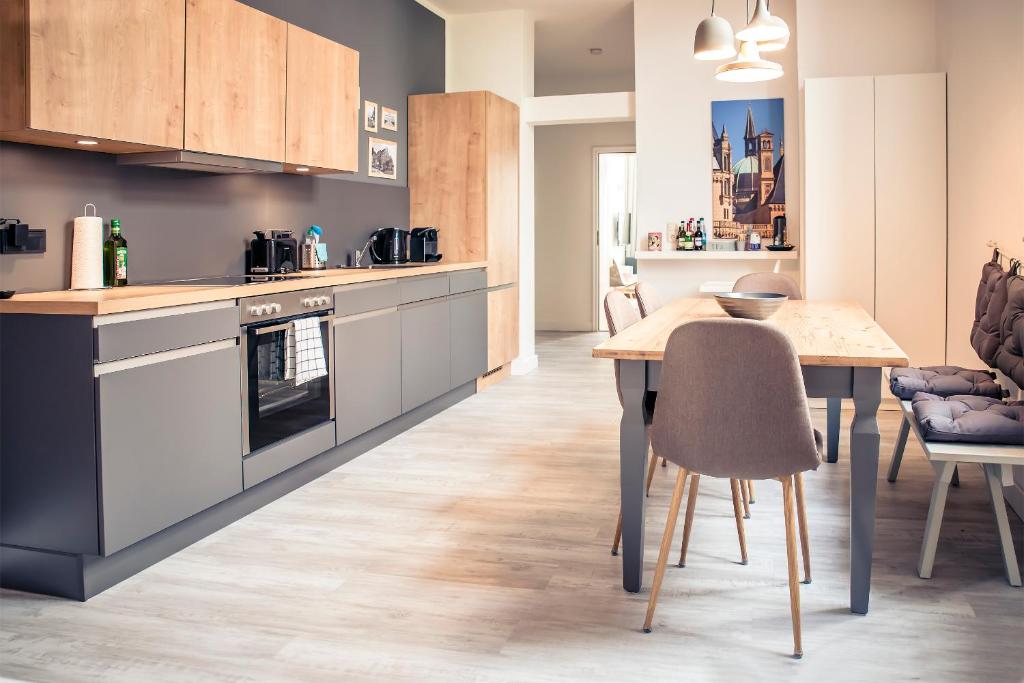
(986, 337)
(1010, 354)
(984, 291)
(943, 380)
(970, 419)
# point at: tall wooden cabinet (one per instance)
(235, 90)
(112, 73)
(464, 180)
(875, 202)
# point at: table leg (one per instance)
(833, 416)
(864, 438)
(633, 443)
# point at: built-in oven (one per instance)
(287, 375)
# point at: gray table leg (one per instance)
(867, 395)
(632, 467)
(833, 414)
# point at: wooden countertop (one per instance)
(827, 333)
(143, 297)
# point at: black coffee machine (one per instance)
(423, 245)
(272, 251)
(389, 245)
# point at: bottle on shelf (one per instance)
(698, 238)
(755, 240)
(115, 257)
(681, 237)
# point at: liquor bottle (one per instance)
(115, 257)
(680, 237)
(698, 239)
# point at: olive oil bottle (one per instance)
(115, 257)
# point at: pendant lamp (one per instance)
(748, 67)
(714, 39)
(778, 43)
(761, 27)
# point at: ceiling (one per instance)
(565, 32)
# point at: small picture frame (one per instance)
(654, 241)
(389, 119)
(383, 158)
(370, 116)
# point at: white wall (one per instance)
(673, 129)
(565, 220)
(494, 51)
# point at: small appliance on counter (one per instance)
(273, 251)
(423, 245)
(389, 245)
(779, 242)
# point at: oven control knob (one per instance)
(308, 302)
(322, 301)
(255, 310)
(275, 308)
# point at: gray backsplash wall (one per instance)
(184, 224)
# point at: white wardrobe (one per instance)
(875, 202)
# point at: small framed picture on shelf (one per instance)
(383, 158)
(654, 241)
(369, 116)
(389, 118)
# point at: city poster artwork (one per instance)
(748, 176)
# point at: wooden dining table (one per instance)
(842, 352)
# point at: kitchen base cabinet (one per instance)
(426, 351)
(468, 336)
(170, 439)
(368, 374)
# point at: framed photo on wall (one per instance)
(383, 159)
(370, 116)
(389, 118)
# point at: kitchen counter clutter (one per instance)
(145, 297)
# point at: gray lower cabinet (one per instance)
(170, 439)
(368, 373)
(469, 337)
(426, 352)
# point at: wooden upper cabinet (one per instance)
(112, 72)
(322, 120)
(235, 91)
(464, 177)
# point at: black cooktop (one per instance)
(229, 280)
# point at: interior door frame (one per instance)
(595, 214)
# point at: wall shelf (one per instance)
(763, 255)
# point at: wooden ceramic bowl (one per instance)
(752, 305)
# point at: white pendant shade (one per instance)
(761, 27)
(713, 39)
(778, 43)
(748, 67)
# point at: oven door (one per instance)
(287, 386)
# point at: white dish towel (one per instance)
(310, 363)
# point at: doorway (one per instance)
(615, 232)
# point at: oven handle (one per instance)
(283, 326)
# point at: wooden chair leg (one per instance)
(666, 547)
(750, 489)
(691, 503)
(943, 474)
(738, 511)
(618, 534)
(995, 488)
(746, 500)
(794, 580)
(651, 467)
(897, 452)
(801, 516)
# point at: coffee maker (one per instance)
(423, 245)
(272, 251)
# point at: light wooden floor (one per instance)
(475, 547)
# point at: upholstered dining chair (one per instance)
(782, 284)
(621, 313)
(713, 407)
(648, 298)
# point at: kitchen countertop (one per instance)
(143, 297)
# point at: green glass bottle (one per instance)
(115, 257)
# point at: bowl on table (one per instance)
(752, 305)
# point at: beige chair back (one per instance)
(732, 403)
(648, 298)
(776, 283)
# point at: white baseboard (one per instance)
(524, 365)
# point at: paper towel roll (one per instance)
(87, 251)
